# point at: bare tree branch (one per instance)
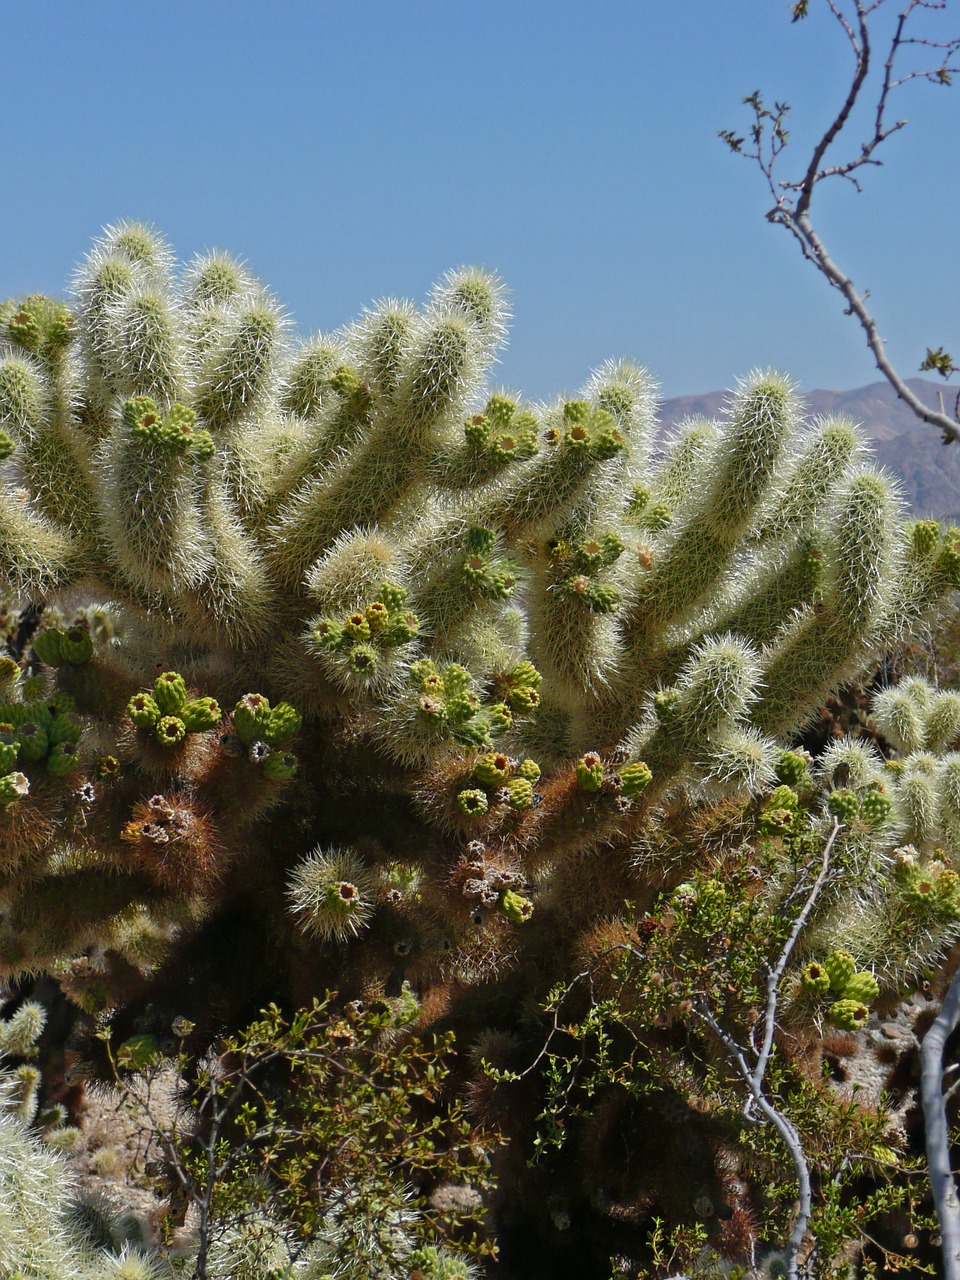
(938, 1137)
(793, 199)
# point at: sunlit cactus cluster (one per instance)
(405, 672)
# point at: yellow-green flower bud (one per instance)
(34, 743)
(519, 793)
(108, 767)
(143, 710)
(377, 616)
(514, 906)
(200, 714)
(64, 728)
(170, 730)
(844, 804)
(815, 979)
(492, 769)
(473, 803)
(849, 1015)
(875, 808)
(529, 769)
(840, 968)
(76, 645)
(170, 693)
(590, 772)
(357, 627)
(792, 770)
(328, 633)
(283, 722)
(925, 537)
(363, 659)
(46, 646)
(498, 717)
(251, 716)
(62, 759)
(279, 766)
(862, 987)
(393, 595)
(636, 778)
(523, 700)
(401, 629)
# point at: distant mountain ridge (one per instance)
(928, 470)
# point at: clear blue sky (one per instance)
(352, 150)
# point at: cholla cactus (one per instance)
(360, 612)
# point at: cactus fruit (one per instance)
(849, 1014)
(839, 967)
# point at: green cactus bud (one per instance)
(251, 718)
(839, 967)
(473, 802)
(401, 629)
(143, 710)
(170, 692)
(64, 728)
(590, 772)
(666, 704)
(844, 804)
(792, 770)
(12, 787)
(363, 659)
(283, 723)
(875, 808)
(34, 743)
(636, 777)
(279, 766)
(519, 793)
(492, 769)
(328, 633)
(393, 595)
(849, 1015)
(862, 987)
(60, 702)
(170, 731)
(815, 979)
(356, 627)
(498, 717)
(477, 431)
(529, 769)
(200, 714)
(331, 895)
(525, 676)
(377, 615)
(514, 906)
(47, 646)
(62, 759)
(108, 767)
(523, 700)
(8, 756)
(924, 537)
(461, 706)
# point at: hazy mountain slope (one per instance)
(929, 471)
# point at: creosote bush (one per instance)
(332, 667)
